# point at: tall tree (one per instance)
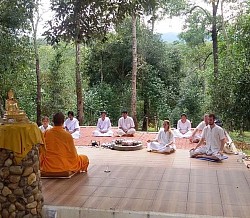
(209, 19)
(81, 21)
(134, 70)
(35, 19)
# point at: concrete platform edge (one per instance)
(78, 212)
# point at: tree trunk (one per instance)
(153, 21)
(37, 63)
(215, 39)
(146, 114)
(134, 70)
(1, 105)
(101, 67)
(79, 94)
(38, 89)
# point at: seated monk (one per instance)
(61, 154)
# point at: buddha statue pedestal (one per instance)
(20, 182)
(15, 118)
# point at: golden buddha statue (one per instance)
(13, 114)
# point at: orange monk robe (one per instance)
(61, 154)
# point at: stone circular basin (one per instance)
(120, 147)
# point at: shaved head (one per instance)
(58, 119)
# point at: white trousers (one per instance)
(206, 151)
(76, 135)
(99, 134)
(120, 132)
(156, 146)
(178, 134)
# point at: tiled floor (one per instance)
(146, 181)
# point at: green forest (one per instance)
(102, 55)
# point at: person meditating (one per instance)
(103, 126)
(164, 142)
(72, 125)
(126, 125)
(61, 154)
(215, 141)
(196, 134)
(183, 127)
(45, 124)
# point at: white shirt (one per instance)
(213, 137)
(103, 125)
(201, 125)
(127, 123)
(165, 137)
(184, 127)
(72, 124)
(43, 129)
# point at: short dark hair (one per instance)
(71, 113)
(183, 114)
(124, 111)
(58, 119)
(211, 115)
(103, 112)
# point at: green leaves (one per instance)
(82, 20)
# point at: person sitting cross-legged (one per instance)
(103, 126)
(164, 142)
(214, 138)
(126, 125)
(183, 127)
(196, 134)
(61, 154)
(72, 125)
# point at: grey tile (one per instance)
(204, 197)
(135, 204)
(203, 187)
(109, 192)
(81, 190)
(204, 179)
(173, 196)
(142, 194)
(176, 178)
(116, 182)
(169, 206)
(204, 209)
(70, 200)
(235, 198)
(106, 203)
(148, 184)
(173, 186)
(203, 172)
(236, 211)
